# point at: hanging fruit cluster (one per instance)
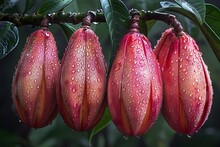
(173, 78)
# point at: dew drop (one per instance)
(47, 34)
(73, 89)
(189, 136)
(125, 137)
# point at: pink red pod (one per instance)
(135, 85)
(82, 81)
(34, 83)
(187, 85)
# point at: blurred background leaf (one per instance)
(11, 139)
(28, 5)
(67, 29)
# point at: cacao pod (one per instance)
(82, 81)
(34, 83)
(135, 85)
(187, 85)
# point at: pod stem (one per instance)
(88, 19)
(135, 18)
(45, 23)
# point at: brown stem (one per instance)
(59, 17)
(165, 17)
(96, 16)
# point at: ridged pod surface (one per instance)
(34, 83)
(134, 86)
(187, 85)
(82, 81)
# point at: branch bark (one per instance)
(75, 18)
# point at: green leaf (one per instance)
(183, 8)
(67, 30)
(106, 120)
(72, 7)
(143, 27)
(7, 4)
(150, 24)
(211, 28)
(85, 5)
(213, 18)
(194, 6)
(29, 4)
(117, 18)
(9, 38)
(140, 4)
(212, 39)
(173, 7)
(50, 6)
